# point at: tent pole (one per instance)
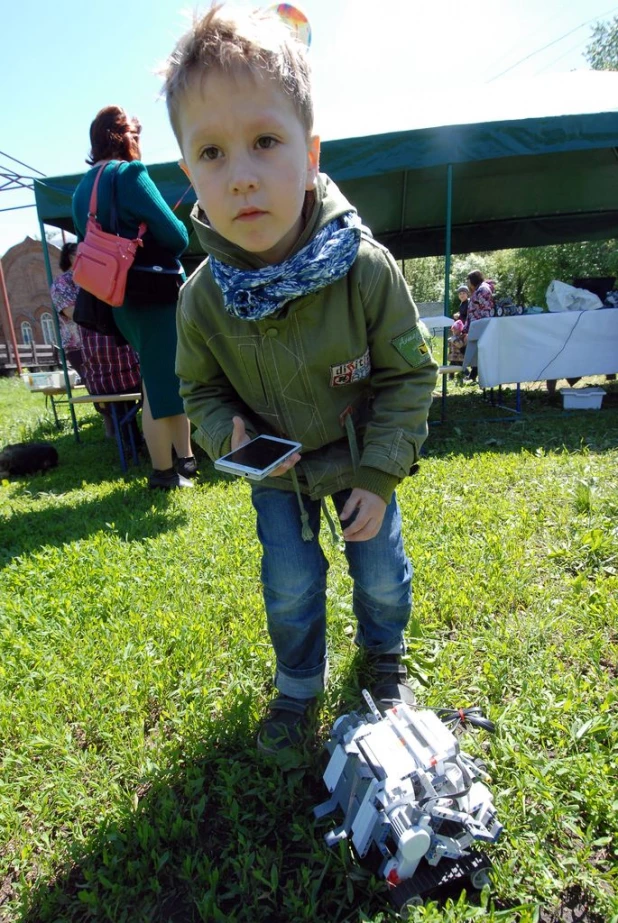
(67, 381)
(447, 275)
(402, 225)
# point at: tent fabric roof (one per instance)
(516, 182)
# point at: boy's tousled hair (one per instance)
(258, 42)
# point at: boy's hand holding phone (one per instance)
(240, 438)
(239, 433)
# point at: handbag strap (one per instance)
(113, 210)
(174, 207)
(92, 208)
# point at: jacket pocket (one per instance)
(327, 470)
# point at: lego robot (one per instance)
(506, 308)
(411, 799)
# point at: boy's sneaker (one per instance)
(388, 683)
(285, 725)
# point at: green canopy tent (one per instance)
(511, 181)
(546, 178)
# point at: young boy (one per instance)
(298, 325)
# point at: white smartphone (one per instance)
(258, 458)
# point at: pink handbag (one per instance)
(103, 260)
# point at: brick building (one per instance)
(26, 282)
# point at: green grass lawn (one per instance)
(135, 666)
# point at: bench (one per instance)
(450, 369)
(51, 395)
(122, 424)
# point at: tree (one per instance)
(602, 52)
(425, 276)
(522, 275)
(525, 274)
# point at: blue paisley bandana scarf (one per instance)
(257, 293)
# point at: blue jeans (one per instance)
(294, 585)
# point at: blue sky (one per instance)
(376, 65)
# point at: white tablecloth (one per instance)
(536, 347)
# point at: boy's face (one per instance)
(249, 160)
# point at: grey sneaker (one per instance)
(389, 681)
(285, 725)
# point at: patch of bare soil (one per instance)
(573, 908)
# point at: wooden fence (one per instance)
(31, 355)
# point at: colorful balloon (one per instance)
(295, 20)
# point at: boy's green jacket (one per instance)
(353, 350)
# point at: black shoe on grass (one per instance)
(168, 479)
(187, 466)
(285, 726)
(389, 681)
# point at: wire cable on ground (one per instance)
(456, 718)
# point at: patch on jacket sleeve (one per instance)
(348, 372)
(412, 346)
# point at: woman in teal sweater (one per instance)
(151, 329)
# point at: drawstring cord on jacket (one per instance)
(307, 531)
(337, 539)
(352, 443)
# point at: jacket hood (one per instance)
(323, 205)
